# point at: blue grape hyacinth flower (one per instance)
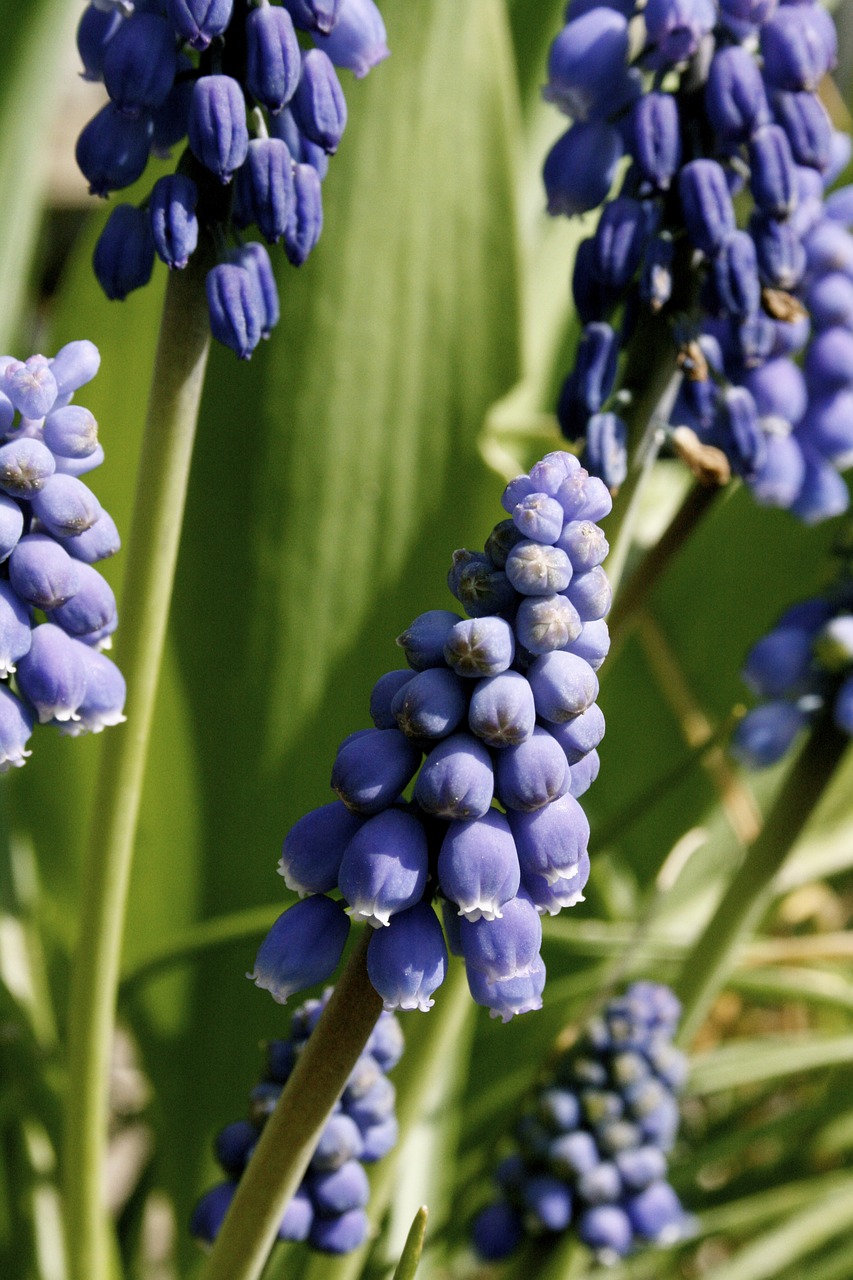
(464, 794)
(262, 108)
(56, 610)
(591, 1150)
(328, 1209)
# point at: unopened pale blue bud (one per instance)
(456, 779)
(341, 1234)
(591, 594)
(829, 299)
(538, 570)
(584, 543)
(371, 771)
(374, 1105)
(545, 623)
(340, 1190)
(655, 139)
(358, 38)
(779, 480)
(431, 704)
(480, 646)
(606, 1229)
(829, 361)
(533, 773)
(738, 431)
(91, 609)
(303, 150)
(65, 506)
(735, 275)
(74, 365)
(779, 252)
(772, 176)
(593, 643)
(581, 734)
(706, 204)
(823, 493)
(675, 29)
(407, 961)
(15, 628)
(618, 244)
(266, 187)
(112, 150)
(30, 385)
(97, 543)
(273, 58)
(71, 432)
(478, 586)
(563, 685)
(424, 640)
(584, 774)
(340, 1142)
(606, 449)
(26, 466)
(585, 497)
(124, 253)
(478, 866)
(501, 712)
(303, 947)
(384, 867)
(539, 517)
(382, 698)
(314, 15)
(41, 572)
(656, 1213)
(797, 48)
(318, 105)
(807, 127)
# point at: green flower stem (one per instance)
(291, 1133)
(714, 955)
(150, 566)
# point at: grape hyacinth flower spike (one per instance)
(56, 610)
(591, 1150)
(738, 297)
(327, 1210)
(495, 726)
(259, 138)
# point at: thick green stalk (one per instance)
(152, 551)
(709, 962)
(291, 1133)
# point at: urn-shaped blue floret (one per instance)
(580, 167)
(358, 39)
(506, 998)
(174, 224)
(341, 1234)
(124, 253)
(16, 727)
(772, 179)
(586, 59)
(303, 947)
(533, 773)
(52, 674)
(618, 244)
(112, 150)
(95, 30)
(502, 712)
(606, 452)
(306, 223)
(314, 846)
(140, 63)
(407, 961)
(254, 259)
(550, 840)
(199, 21)
(797, 47)
(15, 628)
(706, 204)
(319, 106)
(236, 308)
(655, 139)
(218, 134)
(273, 59)
(340, 1141)
(735, 99)
(265, 187)
(384, 867)
(503, 947)
(340, 1190)
(103, 701)
(766, 733)
(807, 127)
(456, 779)
(373, 768)
(478, 866)
(735, 274)
(42, 572)
(481, 646)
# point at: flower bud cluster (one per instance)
(710, 101)
(800, 668)
(56, 611)
(328, 1208)
(592, 1148)
(495, 726)
(263, 110)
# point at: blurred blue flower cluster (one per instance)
(592, 1148)
(56, 610)
(496, 707)
(258, 108)
(801, 667)
(328, 1209)
(712, 103)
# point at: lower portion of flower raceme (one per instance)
(56, 611)
(328, 1210)
(262, 115)
(492, 732)
(592, 1149)
(801, 667)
